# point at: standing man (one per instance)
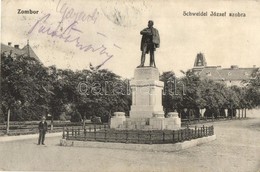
(43, 127)
(150, 41)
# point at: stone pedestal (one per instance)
(146, 110)
(146, 93)
(117, 120)
(172, 122)
(158, 121)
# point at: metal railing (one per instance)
(104, 134)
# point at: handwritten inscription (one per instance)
(71, 34)
(70, 13)
(67, 29)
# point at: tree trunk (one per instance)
(52, 122)
(8, 120)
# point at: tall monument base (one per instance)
(146, 110)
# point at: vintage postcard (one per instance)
(130, 85)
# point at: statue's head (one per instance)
(150, 23)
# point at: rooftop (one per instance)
(233, 73)
(26, 50)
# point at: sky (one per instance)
(113, 28)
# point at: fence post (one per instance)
(67, 133)
(173, 135)
(189, 117)
(150, 134)
(182, 137)
(78, 131)
(72, 132)
(63, 132)
(105, 135)
(206, 131)
(195, 135)
(191, 131)
(85, 133)
(189, 136)
(163, 136)
(95, 132)
(178, 134)
(126, 136)
(138, 136)
(212, 130)
(185, 134)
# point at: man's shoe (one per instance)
(43, 144)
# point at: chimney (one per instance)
(254, 66)
(16, 46)
(9, 43)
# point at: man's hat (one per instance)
(43, 117)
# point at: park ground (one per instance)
(236, 149)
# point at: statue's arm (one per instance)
(146, 31)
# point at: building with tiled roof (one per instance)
(230, 76)
(16, 50)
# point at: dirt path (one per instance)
(237, 149)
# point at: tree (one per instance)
(253, 90)
(107, 93)
(23, 79)
(169, 90)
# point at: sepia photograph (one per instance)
(130, 85)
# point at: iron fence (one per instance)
(104, 134)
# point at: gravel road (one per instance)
(237, 149)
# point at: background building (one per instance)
(230, 76)
(15, 50)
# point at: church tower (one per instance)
(200, 63)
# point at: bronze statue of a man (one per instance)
(150, 41)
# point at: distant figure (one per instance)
(150, 41)
(43, 127)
